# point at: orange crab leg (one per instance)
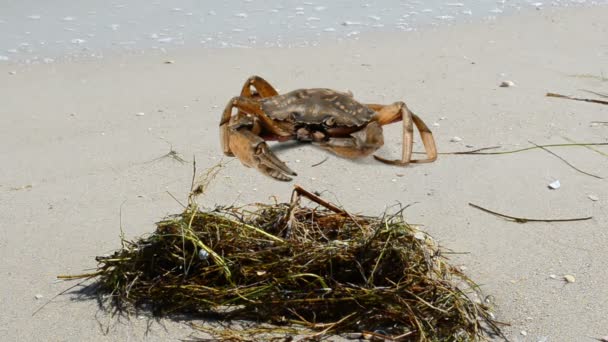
(399, 111)
(262, 87)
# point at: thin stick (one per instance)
(176, 200)
(92, 275)
(595, 93)
(577, 98)
(474, 151)
(522, 149)
(565, 161)
(524, 220)
(317, 199)
(587, 146)
(319, 163)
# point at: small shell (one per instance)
(507, 84)
(555, 185)
(203, 254)
(456, 139)
(569, 278)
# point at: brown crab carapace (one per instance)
(330, 119)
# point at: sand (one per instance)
(75, 154)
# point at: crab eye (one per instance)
(330, 121)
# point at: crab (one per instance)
(330, 119)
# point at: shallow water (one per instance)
(35, 31)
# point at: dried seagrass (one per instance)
(287, 265)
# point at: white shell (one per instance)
(202, 254)
(555, 185)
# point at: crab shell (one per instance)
(325, 107)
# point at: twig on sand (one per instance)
(599, 77)
(524, 219)
(587, 146)
(173, 154)
(577, 98)
(319, 163)
(565, 161)
(596, 93)
(480, 151)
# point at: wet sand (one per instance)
(75, 149)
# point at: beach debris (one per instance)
(524, 219)
(603, 339)
(596, 93)
(24, 187)
(523, 333)
(598, 123)
(456, 139)
(507, 84)
(38, 296)
(565, 161)
(569, 278)
(295, 107)
(593, 197)
(604, 102)
(170, 61)
(172, 154)
(203, 254)
(552, 276)
(320, 269)
(140, 114)
(554, 185)
(319, 163)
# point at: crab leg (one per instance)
(239, 138)
(262, 87)
(359, 144)
(399, 111)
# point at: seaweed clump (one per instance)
(325, 269)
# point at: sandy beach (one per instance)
(82, 146)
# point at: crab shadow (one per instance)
(280, 148)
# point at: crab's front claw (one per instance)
(253, 151)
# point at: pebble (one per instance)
(39, 296)
(554, 185)
(523, 333)
(170, 62)
(140, 114)
(594, 198)
(552, 276)
(507, 84)
(569, 278)
(203, 254)
(456, 139)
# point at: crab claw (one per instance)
(252, 151)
